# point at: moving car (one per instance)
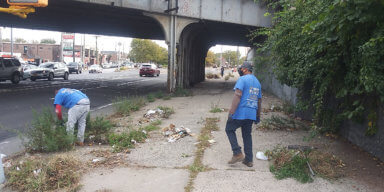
(95, 69)
(149, 70)
(10, 69)
(49, 71)
(74, 67)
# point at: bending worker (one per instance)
(245, 110)
(78, 104)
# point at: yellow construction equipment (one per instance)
(22, 8)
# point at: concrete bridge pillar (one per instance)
(172, 27)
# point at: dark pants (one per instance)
(246, 130)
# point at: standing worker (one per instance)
(244, 111)
(222, 71)
(78, 104)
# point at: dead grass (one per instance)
(44, 174)
(107, 158)
(212, 76)
(293, 163)
(203, 139)
(276, 122)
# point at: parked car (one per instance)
(106, 65)
(149, 70)
(49, 71)
(95, 69)
(74, 67)
(27, 69)
(10, 69)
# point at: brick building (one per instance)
(45, 52)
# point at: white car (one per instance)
(95, 69)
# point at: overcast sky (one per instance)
(105, 43)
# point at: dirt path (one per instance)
(161, 166)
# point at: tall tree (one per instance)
(20, 40)
(143, 51)
(6, 40)
(232, 57)
(47, 41)
(210, 60)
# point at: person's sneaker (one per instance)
(248, 163)
(236, 158)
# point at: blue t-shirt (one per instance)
(251, 92)
(68, 97)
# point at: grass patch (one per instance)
(159, 95)
(181, 92)
(293, 163)
(167, 97)
(151, 97)
(58, 172)
(97, 130)
(153, 126)
(198, 166)
(215, 108)
(167, 111)
(120, 142)
(125, 106)
(276, 122)
(46, 134)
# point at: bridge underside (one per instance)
(192, 43)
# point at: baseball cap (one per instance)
(247, 65)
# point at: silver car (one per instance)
(49, 71)
(10, 69)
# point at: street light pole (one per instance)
(11, 41)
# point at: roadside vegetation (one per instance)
(124, 106)
(203, 143)
(44, 174)
(304, 164)
(335, 58)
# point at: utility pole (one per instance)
(1, 41)
(97, 54)
(83, 49)
(221, 55)
(73, 49)
(11, 41)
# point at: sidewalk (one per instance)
(157, 165)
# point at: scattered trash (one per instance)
(175, 133)
(95, 160)
(133, 141)
(211, 141)
(37, 172)
(185, 155)
(261, 156)
(153, 113)
(17, 169)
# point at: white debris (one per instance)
(17, 169)
(211, 141)
(133, 141)
(36, 172)
(261, 156)
(95, 160)
(145, 132)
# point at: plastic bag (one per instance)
(261, 156)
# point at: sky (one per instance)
(104, 43)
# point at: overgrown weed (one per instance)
(124, 105)
(167, 111)
(40, 174)
(47, 134)
(181, 92)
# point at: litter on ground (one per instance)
(174, 133)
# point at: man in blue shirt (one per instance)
(78, 105)
(245, 109)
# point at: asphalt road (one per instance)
(17, 102)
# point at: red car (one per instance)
(149, 70)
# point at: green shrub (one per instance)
(151, 97)
(296, 168)
(159, 94)
(119, 142)
(125, 106)
(122, 141)
(98, 129)
(168, 97)
(167, 111)
(153, 126)
(46, 134)
(215, 108)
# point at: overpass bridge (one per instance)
(189, 27)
